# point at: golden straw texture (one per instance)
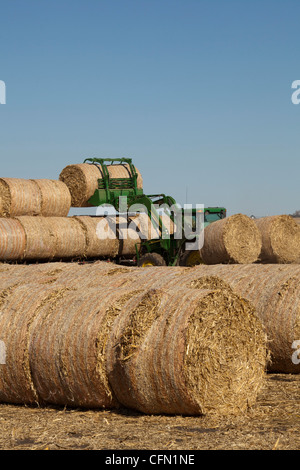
(55, 198)
(280, 239)
(12, 240)
(19, 197)
(184, 352)
(82, 180)
(235, 239)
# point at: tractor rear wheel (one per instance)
(151, 259)
(190, 258)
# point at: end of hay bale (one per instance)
(235, 239)
(82, 182)
(177, 352)
(19, 197)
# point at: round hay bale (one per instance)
(67, 347)
(82, 180)
(55, 198)
(70, 237)
(280, 239)
(235, 239)
(19, 304)
(176, 353)
(40, 241)
(123, 171)
(274, 292)
(19, 197)
(12, 240)
(102, 241)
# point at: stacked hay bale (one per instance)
(271, 289)
(40, 197)
(175, 352)
(235, 239)
(38, 226)
(181, 351)
(82, 180)
(280, 239)
(12, 240)
(51, 238)
(101, 239)
(55, 198)
(274, 292)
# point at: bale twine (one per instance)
(280, 239)
(82, 180)
(235, 239)
(178, 352)
(40, 242)
(19, 197)
(102, 241)
(55, 198)
(12, 240)
(274, 292)
(67, 347)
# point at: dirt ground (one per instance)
(274, 424)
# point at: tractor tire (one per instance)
(151, 259)
(190, 258)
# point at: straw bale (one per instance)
(19, 305)
(274, 292)
(53, 238)
(55, 198)
(280, 239)
(235, 239)
(19, 197)
(82, 180)
(12, 240)
(272, 289)
(69, 274)
(67, 347)
(102, 241)
(70, 237)
(40, 241)
(123, 171)
(176, 353)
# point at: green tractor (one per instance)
(175, 252)
(123, 193)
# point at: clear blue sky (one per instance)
(197, 92)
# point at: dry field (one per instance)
(273, 424)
